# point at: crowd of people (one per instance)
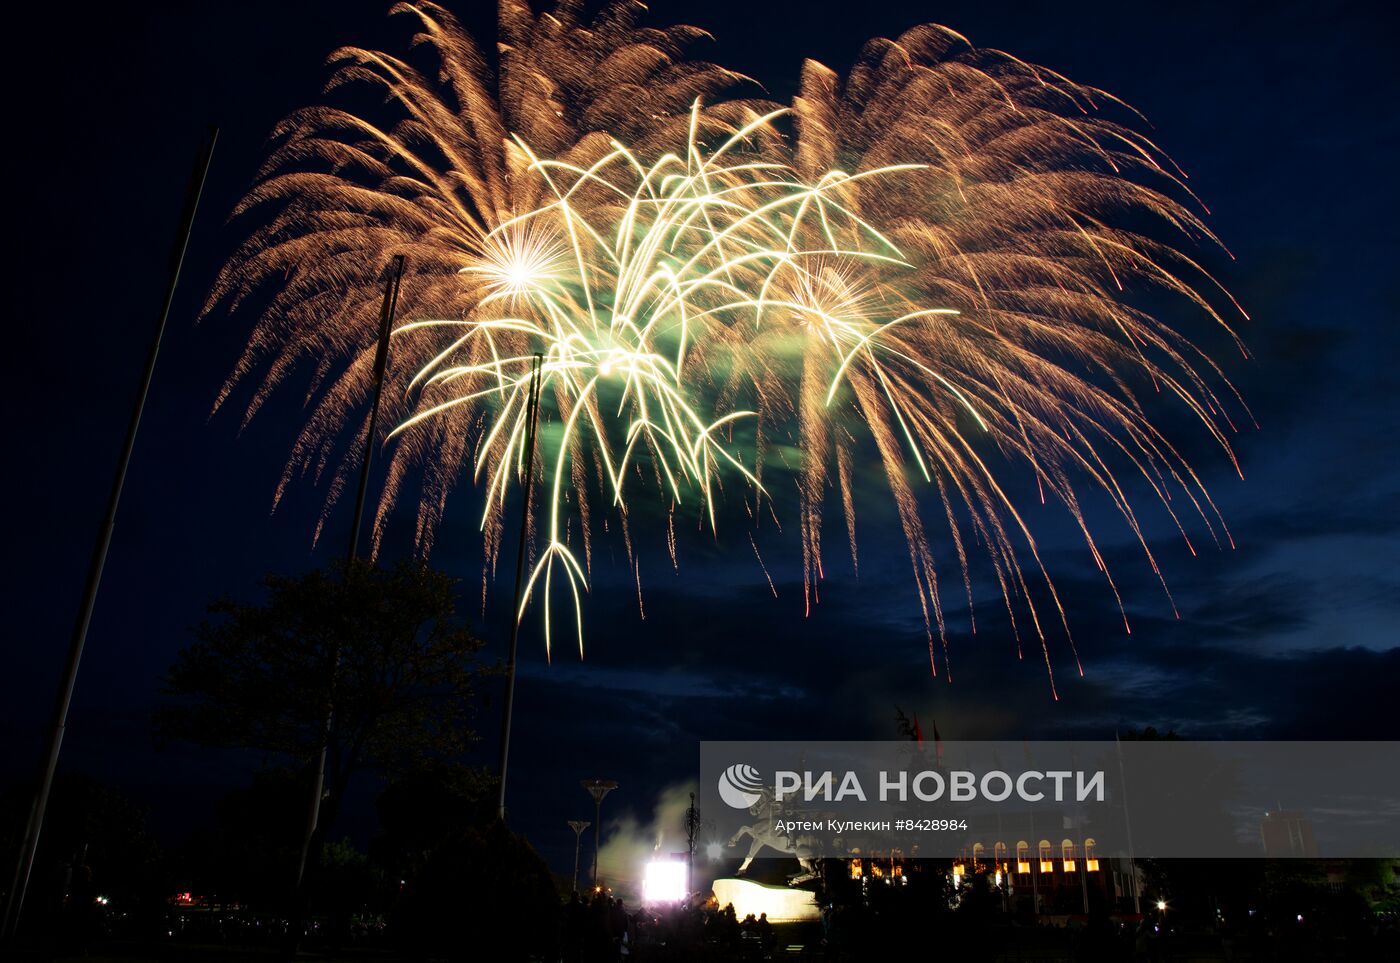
(602, 929)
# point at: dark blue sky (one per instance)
(1283, 115)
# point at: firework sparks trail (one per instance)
(932, 260)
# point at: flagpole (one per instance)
(25, 864)
(532, 417)
(381, 363)
(1035, 841)
(1128, 825)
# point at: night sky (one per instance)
(1282, 114)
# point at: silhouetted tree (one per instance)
(249, 853)
(483, 886)
(382, 646)
(426, 808)
(95, 850)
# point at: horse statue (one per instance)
(765, 832)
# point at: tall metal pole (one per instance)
(598, 788)
(578, 826)
(1084, 876)
(25, 864)
(1035, 870)
(1128, 826)
(692, 831)
(597, 835)
(394, 275)
(381, 364)
(532, 415)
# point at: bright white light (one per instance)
(781, 903)
(714, 850)
(518, 262)
(664, 881)
(1161, 904)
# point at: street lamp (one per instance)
(578, 826)
(598, 788)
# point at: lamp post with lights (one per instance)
(598, 788)
(578, 826)
(693, 823)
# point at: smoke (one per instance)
(629, 843)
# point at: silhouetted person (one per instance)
(619, 929)
(1143, 939)
(598, 942)
(729, 927)
(765, 934)
(575, 925)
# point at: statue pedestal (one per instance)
(783, 904)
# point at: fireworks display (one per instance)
(939, 264)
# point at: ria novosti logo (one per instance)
(740, 786)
